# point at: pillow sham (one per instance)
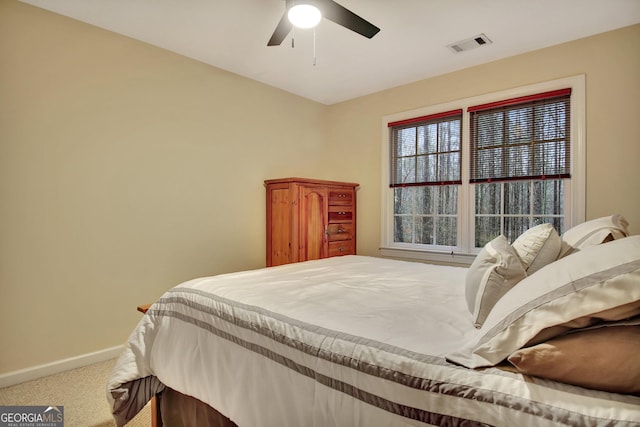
(537, 247)
(493, 272)
(602, 359)
(594, 280)
(594, 320)
(593, 232)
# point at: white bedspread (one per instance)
(346, 341)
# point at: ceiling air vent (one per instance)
(468, 44)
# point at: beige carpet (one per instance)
(81, 391)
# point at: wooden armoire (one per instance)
(309, 219)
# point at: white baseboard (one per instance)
(35, 372)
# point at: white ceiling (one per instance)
(411, 46)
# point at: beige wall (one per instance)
(611, 64)
(125, 169)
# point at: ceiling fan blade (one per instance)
(281, 31)
(342, 16)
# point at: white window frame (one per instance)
(463, 253)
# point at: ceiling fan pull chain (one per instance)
(293, 38)
(314, 47)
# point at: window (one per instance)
(520, 150)
(425, 175)
(458, 174)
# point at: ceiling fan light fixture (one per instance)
(304, 16)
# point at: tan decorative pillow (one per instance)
(495, 270)
(537, 247)
(603, 359)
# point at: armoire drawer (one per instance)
(341, 196)
(340, 214)
(345, 247)
(338, 232)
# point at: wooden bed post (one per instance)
(156, 418)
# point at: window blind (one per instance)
(521, 138)
(426, 150)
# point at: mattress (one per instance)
(345, 341)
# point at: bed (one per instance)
(520, 338)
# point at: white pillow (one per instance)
(593, 232)
(537, 247)
(591, 281)
(495, 270)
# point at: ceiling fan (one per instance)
(328, 9)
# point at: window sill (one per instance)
(449, 258)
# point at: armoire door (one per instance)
(280, 226)
(313, 223)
